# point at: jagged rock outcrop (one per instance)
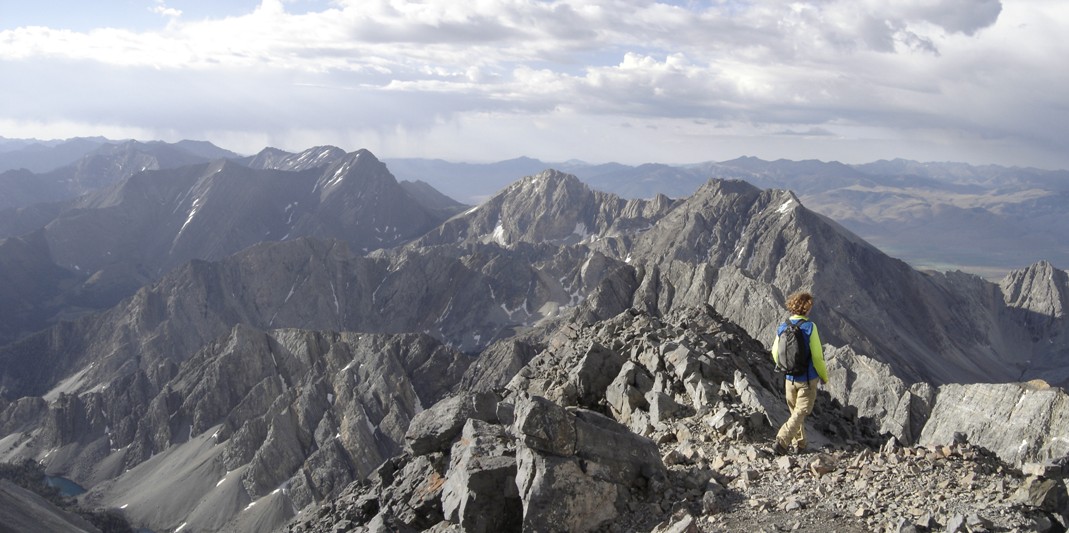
(873, 389)
(480, 492)
(578, 470)
(1040, 289)
(436, 428)
(551, 469)
(1019, 422)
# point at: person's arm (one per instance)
(816, 351)
(775, 349)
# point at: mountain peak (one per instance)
(549, 178)
(1040, 287)
(361, 163)
(364, 152)
(275, 159)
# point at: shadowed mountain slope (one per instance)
(122, 237)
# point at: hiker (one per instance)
(802, 381)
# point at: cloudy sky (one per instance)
(979, 81)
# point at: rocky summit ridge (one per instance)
(676, 441)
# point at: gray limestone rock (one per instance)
(480, 493)
(595, 372)
(612, 452)
(199, 351)
(558, 495)
(1047, 494)
(1019, 422)
(680, 522)
(434, 429)
(545, 426)
(878, 394)
(662, 407)
(626, 393)
(412, 498)
(577, 469)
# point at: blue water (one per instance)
(66, 487)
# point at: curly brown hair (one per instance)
(800, 303)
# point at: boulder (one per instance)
(559, 496)
(681, 361)
(680, 522)
(577, 469)
(480, 489)
(662, 407)
(702, 392)
(434, 429)
(625, 394)
(612, 452)
(1047, 494)
(544, 426)
(595, 372)
(412, 498)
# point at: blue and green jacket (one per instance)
(816, 351)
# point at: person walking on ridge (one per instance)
(801, 388)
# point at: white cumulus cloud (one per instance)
(973, 78)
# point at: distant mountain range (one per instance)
(986, 220)
(191, 340)
(118, 238)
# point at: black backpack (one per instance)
(794, 353)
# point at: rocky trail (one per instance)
(946, 488)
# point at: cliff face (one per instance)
(1037, 302)
(1019, 422)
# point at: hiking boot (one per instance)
(779, 449)
(799, 449)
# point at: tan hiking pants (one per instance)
(801, 396)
